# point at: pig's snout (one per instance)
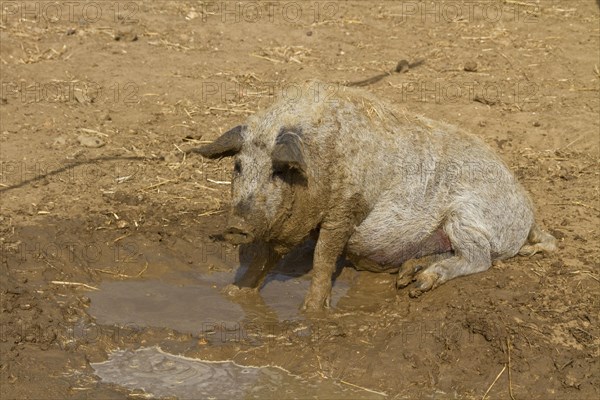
(238, 232)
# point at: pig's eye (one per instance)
(279, 172)
(237, 167)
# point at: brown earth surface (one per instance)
(101, 100)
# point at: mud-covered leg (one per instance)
(262, 259)
(410, 268)
(471, 255)
(329, 247)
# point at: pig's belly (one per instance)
(386, 249)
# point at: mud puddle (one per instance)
(192, 308)
(186, 300)
(161, 374)
(198, 307)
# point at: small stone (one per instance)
(571, 381)
(126, 36)
(90, 141)
(483, 100)
(59, 141)
(122, 224)
(172, 158)
(537, 124)
(71, 31)
(566, 176)
(309, 33)
(82, 97)
(192, 15)
(31, 209)
(470, 66)
(15, 290)
(51, 336)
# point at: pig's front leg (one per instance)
(330, 246)
(262, 260)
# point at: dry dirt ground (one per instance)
(100, 100)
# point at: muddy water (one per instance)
(191, 308)
(193, 303)
(185, 300)
(162, 374)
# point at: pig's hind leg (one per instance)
(471, 254)
(410, 268)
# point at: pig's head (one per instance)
(267, 168)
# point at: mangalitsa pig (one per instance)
(381, 186)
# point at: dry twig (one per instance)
(490, 388)
(509, 371)
(74, 284)
(363, 388)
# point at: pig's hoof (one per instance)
(403, 281)
(424, 282)
(407, 273)
(315, 304)
(236, 291)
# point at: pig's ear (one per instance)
(288, 153)
(227, 145)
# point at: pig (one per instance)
(388, 189)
